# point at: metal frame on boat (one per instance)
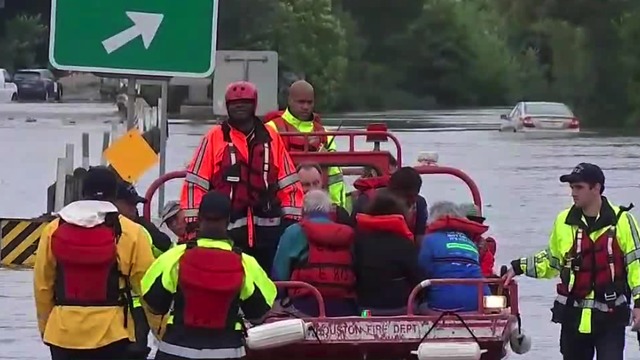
(387, 337)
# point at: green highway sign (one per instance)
(134, 37)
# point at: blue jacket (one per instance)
(451, 254)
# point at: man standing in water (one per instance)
(595, 249)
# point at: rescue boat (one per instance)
(487, 334)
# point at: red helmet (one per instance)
(241, 90)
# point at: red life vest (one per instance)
(597, 265)
(369, 186)
(245, 181)
(329, 266)
(395, 224)
(490, 245)
(297, 143)
(87, 271)
(449, 223)
(210, 280)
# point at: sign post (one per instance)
(164, 129)
(145, 37)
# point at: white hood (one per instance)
(86, 213)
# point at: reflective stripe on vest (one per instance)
(591, 303)
(611, 234)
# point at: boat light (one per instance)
(494, 302)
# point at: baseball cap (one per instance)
(472, 213)
(127, 192)
(214, 206)
(169, 210)
(584, 172)
(99, 183)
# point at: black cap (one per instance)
(100, 183)
(214, 205)
(584, 172)
(127, 192)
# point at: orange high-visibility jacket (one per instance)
(255, 171)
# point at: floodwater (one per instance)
(517, 175)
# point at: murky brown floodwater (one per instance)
(517, 174)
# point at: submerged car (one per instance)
(540, 116)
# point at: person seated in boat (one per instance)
(385, 256)
(369, 171)
(486, 245)
(448, 252)
(173, 217)
(202, 285)
(310, 175)
(405, 183)
(318, 251)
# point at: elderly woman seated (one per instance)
(318, 251)
(386, 257)
(448, 252)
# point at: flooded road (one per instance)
(517, 174)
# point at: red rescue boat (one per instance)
(485, 334)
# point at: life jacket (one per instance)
(598, 266)
(395, 224)
(87, 272)
(247, 182)
(298, 143)
(369, 186)
(490, 245)
(329, 266)
(471, 229)
(272, 115)
(210, 281)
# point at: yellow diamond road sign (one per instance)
(131, 156)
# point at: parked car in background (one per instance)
(8, 90)
(37, 84)
(530, 116)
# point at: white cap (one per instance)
(169, 210)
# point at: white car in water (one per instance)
(533, 116)
(8, 90)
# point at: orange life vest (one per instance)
(329, 265)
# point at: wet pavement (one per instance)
(517, 174)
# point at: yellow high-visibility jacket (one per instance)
(335, 183)
(88, 327)
(549, 262)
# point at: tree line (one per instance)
(421, 54)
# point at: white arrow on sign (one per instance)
(144, 24)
